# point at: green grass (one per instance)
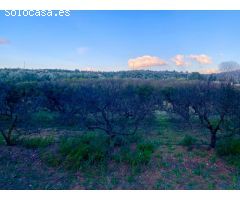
(140, 156)
(188, 141)
(229, 150)
(233, 160)
(147, 160)
(43, 117)
(37, 142)
(2, 142)
(88, 149)
(51, 159)
(229, 147)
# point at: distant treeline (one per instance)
(16, 75)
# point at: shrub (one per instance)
(188, 141)
(44, 118)
(229, 147)
(37, 142)
(119, 141)
(84, 150)
(141, 155)
(1, 140)
(51, 159)
(233, 160)
(146, 147)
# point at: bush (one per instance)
(188, 141)
(87, 149)
(1, 140)
(145, 147)
(51, 159)
(229, 147)
(141, 155)
(37, 142)
(44, 118)
(119, 141)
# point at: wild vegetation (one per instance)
(136, 130)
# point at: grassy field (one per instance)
(168, 155)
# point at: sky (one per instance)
(122, 40)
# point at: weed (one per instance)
(131, 179)
(145, 147)
(177, 172)
(119, 141)
(114, 181)
(229, 147)
(37, 142)
(51, 159)
(213, 158)
(43, 117)
(188, 141)
(199, 170)
(211, 186)
(141, 155)
(88, 149)
(1, 140)
(233, 160)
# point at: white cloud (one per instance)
(201, 59)
(145, 62)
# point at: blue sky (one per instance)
(122, 40)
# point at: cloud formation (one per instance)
(145, 62)
(201, 59)
(4, 41)
(179, 60)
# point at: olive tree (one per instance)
(212, 103)
(15, 103)
(116, 107)
(177, 100)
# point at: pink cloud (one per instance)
(145, 62)
(4, 41)
(179, 60)
(201, 59)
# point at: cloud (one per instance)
(4, 41)
(209, 71)
(201, 59)
(82, 50)
(179, 60)
(145, 62)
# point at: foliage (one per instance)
(139, 156)
(88, 149)
(44, 117)
(51, 158)
(188, 141)
(229, 147)
(37, 141)
(2, 140)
